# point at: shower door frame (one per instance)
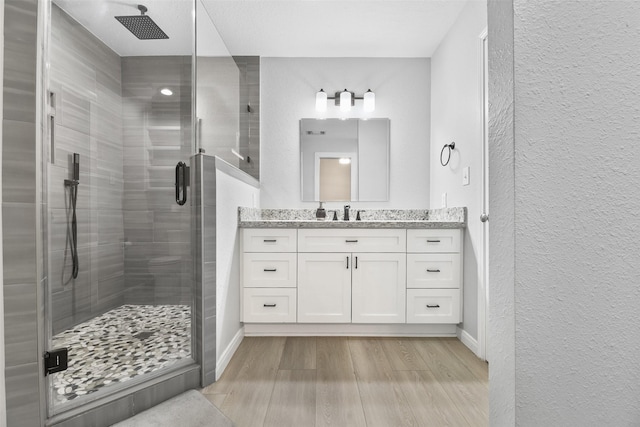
(150, 388)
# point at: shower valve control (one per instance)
(56, 360)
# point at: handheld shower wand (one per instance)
(72, 184)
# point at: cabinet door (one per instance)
(379, 288)
(324, 288)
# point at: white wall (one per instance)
(230, 193)
(288, 88)
(577, 199)
(456, 115)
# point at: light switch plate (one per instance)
(465, 176)
(444, 200)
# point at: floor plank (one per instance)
(382, 400)
(337, 397)
(477, 367)
(293, 401)
(402, 355)
(469, 394)
(248, 399)
(299, 353)
(340, 381)
(429, 402)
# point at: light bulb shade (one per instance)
(369, 101)
(345, 100)
(321, 101)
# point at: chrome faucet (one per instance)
(346, 212)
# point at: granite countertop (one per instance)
(378, 218)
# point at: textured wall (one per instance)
(402, 90)
(157, 134)
(577, 92)
(501, 346)
(85, 77)
(456, 115)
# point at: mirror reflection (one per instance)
(344, 160)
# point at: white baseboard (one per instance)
(228, 353)
(349, 329)
(469, 341)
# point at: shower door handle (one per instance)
(181, 183)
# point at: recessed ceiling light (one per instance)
(166, 91)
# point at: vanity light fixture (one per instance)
(321, 101)
(369, 103)
(345, 100)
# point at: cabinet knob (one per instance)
(484, 218)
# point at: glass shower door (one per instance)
(118, 213)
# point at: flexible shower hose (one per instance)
(73, 195)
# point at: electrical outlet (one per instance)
(465, 176)
(444, 200)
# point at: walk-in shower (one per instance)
(119, 256)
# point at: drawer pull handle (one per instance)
(433, 271)
(347, 263)
(433, 306)
(270, 240)
(356, 262)
(433, 241)
(270, 269)
(351, 241)
(269, 305)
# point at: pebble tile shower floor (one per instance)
(119, 345)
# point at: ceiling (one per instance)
(281, 28)
(330, 28)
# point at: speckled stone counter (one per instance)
(370, 218)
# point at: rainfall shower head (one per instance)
(142, 26)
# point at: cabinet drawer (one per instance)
(352, 240)
(269, 270)
(433, 270)
(434, 240)
(433, 306)
(269, 240)
(269, 305)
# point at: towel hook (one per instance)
(451, 146)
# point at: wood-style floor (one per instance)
(338, 381)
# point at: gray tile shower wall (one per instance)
(249, 67)
(157, 134)
(204, 241)
(86, 79)
(19, 207)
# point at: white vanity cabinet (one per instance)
(351, 275)
(378, 287)
(434, 276)
(269, 275)
(324, 288)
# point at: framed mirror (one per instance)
(344, 160)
